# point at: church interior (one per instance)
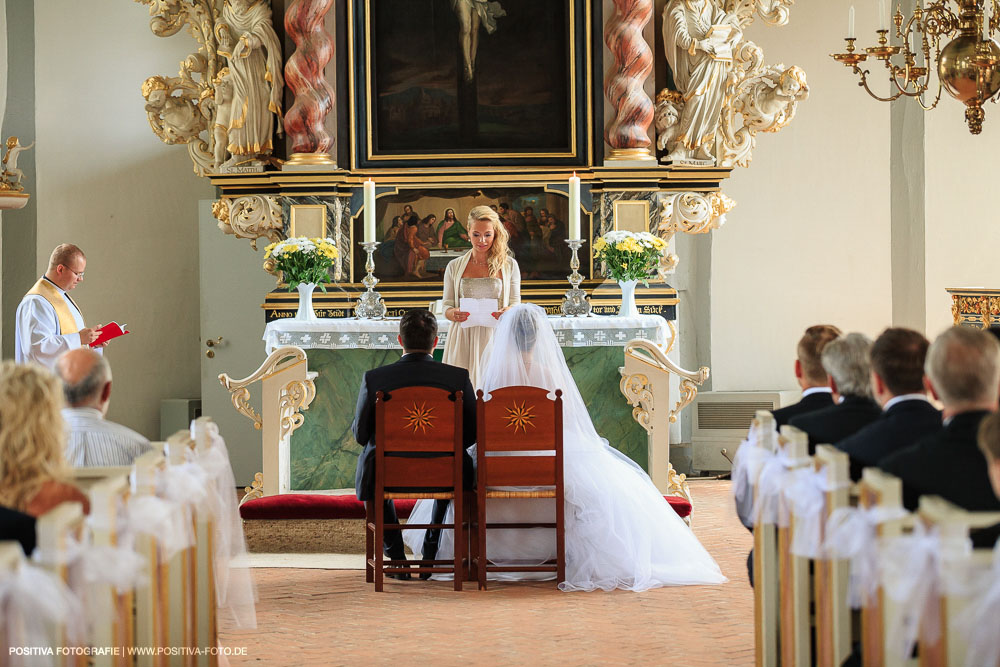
(716, 253)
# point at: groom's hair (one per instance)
(418, 328)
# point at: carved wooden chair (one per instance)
(418, 454)
(519, 444)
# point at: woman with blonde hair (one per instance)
(33, 470)
(487, 271)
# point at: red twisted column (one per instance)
(309, 141)
(626, 133)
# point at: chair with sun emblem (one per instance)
(519, 454)
(418, 454)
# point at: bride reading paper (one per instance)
(620, 532)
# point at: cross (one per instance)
(578, 335)
(621, 335)
(306, 338)
(344, 338)
(325, 338)
(285, 338)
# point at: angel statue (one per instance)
(253, 82)
(11, 177)
(699, 38)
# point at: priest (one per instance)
(48, 322)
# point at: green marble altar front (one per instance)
(323, 451)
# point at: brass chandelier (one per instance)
(968, 65)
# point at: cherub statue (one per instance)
(669, 104)
(11, 178)
(254, 82)
(698, 38)
(773, 98)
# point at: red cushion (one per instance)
(321, 506)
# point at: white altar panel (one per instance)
(341, 333)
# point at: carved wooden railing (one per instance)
(645, 384)
(286, 387)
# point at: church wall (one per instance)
(962, 221)
(130, 202)
(808, 241)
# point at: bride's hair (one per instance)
(525, 332)
(497, 255)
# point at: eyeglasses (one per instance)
(78, 274)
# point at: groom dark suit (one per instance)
(417, 368)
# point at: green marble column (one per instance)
(323, 450)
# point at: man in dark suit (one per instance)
(963, 372)
(18, 526)
(897, 359)
(417, 368)
(849, 370)
(816, 393)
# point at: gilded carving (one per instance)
(677, 486)
(255, 490)
(637, 390)
(250, 217)
(692, 213)
(297, 395)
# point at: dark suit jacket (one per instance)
(18, 526)
(947, 464)
(896, 429)
(413, 370)
(836, 422)
(810, 403)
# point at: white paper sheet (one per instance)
(480, 312)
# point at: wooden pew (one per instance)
(952, 522)
(86, 477)
(11, 560)
(793, 571)
(765, 566)
(830, 576)
(152, 620)
(56, 531)
(108, 497)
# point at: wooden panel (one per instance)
(308, 220)
(520, 471)
(418, 419)
(520, 419)
(419, 472)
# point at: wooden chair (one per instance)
(830, 576)
(418, 454)
(519, 443)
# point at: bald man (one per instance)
(48, 322)
(94, 441)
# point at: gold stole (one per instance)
(48, 291)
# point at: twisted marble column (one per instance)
(627, 133)
(309, 142)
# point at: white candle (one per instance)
(574, 206)
(369, 211)
(850, 23)
(883, 16)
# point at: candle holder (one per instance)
(575, 302)
(370, 305)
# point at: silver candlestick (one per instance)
(370, 305)
(575, 302)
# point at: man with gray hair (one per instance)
(94, 441)
(848, 370)
(963, 372)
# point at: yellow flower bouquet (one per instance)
(629, 256)
(302, 260)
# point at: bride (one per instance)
(620, 532)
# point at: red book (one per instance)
(109, 331)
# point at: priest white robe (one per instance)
(38, 334)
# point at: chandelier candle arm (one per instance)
(370, 305)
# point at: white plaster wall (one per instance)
(106, 183)
(809, 239)
(963, 225)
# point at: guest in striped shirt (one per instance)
(93, 440)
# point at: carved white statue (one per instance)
(251, 47)
(699, 38)
(11, 178)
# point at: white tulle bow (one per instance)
(806, 497)
(979, 619)
(747, 462)
(162, 520)
(852, 533)
(776, 474)
(35, 603)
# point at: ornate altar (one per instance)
(975, 306)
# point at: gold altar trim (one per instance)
(975, 306)
(48, 291)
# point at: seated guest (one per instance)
(963, 372)
(809, 373)
(33, 471)
(897, 359)
(989, 444)
(417, 368)
(18, 526)
(845, 361)
(94, 441)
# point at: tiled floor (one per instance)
(329, 617)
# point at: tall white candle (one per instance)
(850, 23)
(883, 15)
(574, 206)
(369, 211)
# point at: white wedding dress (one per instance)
(620, 532)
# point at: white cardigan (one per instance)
(510, 275)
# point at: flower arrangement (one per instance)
(630, 256)
(302, 260)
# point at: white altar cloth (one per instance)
(350, 333)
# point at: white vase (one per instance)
(628, 307)
(305, 312)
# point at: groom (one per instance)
(417, 368)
